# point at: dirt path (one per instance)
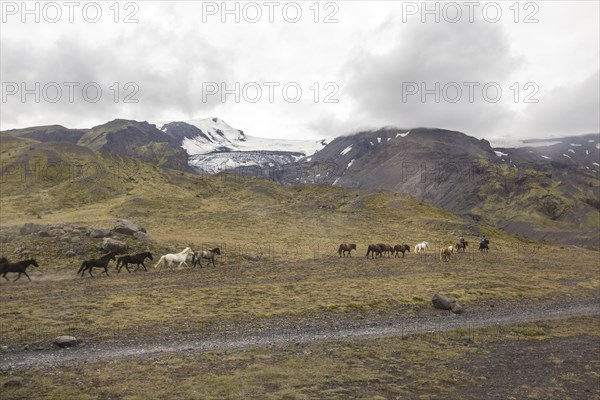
(240, 337)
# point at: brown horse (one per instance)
(346, 248)
(386, 248)
(445, 253)
(462, 245)
(401, 248)
(374, 249)
(207, 255)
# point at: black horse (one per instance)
(137, 259)
(101, 262)
(346, 248)
(401, 248)
(18, 267)
(207, 255)
(484, 246)
(374, 249)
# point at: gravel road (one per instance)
(278, 334)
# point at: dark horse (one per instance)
(374, 249)
(386, 248)
(346, 248)
(20, 267)
(101, 262)
(484, 246)
(462, 245)
(207, 255)
(401, 248)
(137, 259)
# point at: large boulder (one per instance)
(65, 341)
(127, 227)
(113, 246)
(446, 303)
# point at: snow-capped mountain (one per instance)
(214, 146)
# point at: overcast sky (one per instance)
(379, 61)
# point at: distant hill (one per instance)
(49, 133)
(548, 192)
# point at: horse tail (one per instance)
(83, 264)
(160, 260)
(340, 250)
(193, 258)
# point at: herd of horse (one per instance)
(381, 249)
(344, 250)
(138, 260)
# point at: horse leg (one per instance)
(25, 272)
(90, 271)
(18, 277)
(213, 262)
(145, 269)
(106, 270)
(4, 276)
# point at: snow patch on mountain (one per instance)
(216, 146)
(346, 150)
(219, 136)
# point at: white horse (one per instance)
(421, 247)
(171, 258)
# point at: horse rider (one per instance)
(484, 240)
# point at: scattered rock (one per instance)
(75, 239)
(142, 236)
(251, 257)
(446, 303)
(127, 227)
(65, 239)
(456, 308)
(6, 239)
(112, 245)
(65, 341)
(30, 228)
(13, 383)
(70, 253)
(56, 232)
(44, 234)
(99, 233)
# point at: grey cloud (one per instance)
(570, 109)
(168, 65)
(433, 53)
